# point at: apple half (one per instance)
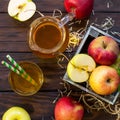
(79, 67)
(21, 10)
(16, 113)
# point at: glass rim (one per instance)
(19, 91)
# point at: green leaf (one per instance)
(118, 70)
(119, 88)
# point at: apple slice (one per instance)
(79, 67)
(21, 10)
(16, 113)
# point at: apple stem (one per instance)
(104, 45)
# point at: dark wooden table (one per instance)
(13, 41)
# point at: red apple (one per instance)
(104, 50)
(104, 80)
(81, 8)
(68, 109)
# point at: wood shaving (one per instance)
(74, 40)
(100, 105)
(106, 24)
(55, 12)
(92, 103)
(60, 59)
(109, 3)
(115, 33)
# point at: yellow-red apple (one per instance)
(104, 80)
(79, 67)
(67, 108)
(104, 50)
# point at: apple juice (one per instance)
(46, 38)
(22, 86)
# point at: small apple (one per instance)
(104, 80)
(16, 113)
(81, 8)
(104, 50)
(68, 109)
(21, 10)
(79, 67)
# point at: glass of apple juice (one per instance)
(23, 87)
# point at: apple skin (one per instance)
(104, 50)
(67, 108)
(81, 8)
(104, 80)
(16, 113)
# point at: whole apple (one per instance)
(81, 8)
(104, 50)
(68, 109)
(16, 113)
(104, 80)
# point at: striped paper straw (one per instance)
(22, 74)
(22, 71)
(17, 66)
(10, 67)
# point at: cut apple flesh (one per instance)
(21, 10)
(79, 67)
(77, 75)
(27, 12)
(84, 61)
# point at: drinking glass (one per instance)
(23, 87)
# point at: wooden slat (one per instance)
(41, 106)
(13, 41)
(15, 38)
(52, 72)
(38, 105)
(42, 5)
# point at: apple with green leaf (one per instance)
(16, 113)
(21, 10)
(79, 67)
(67, 108)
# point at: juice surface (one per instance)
(47, 35)
(22, 86)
